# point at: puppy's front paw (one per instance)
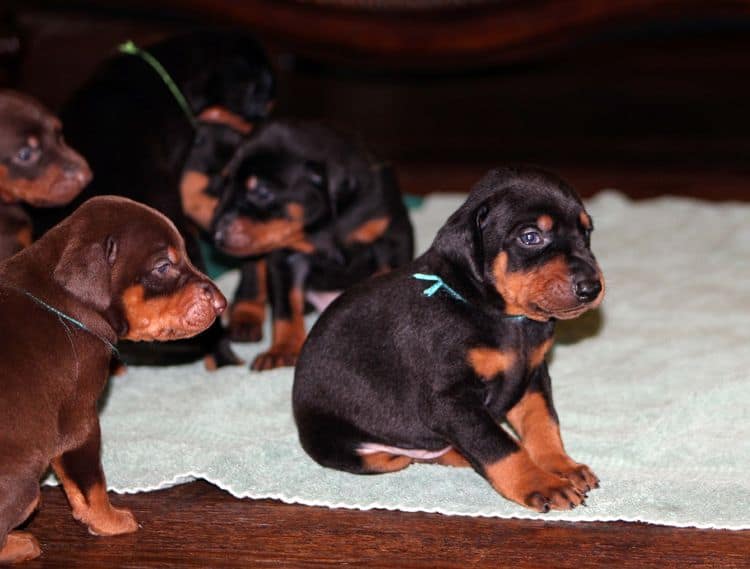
(240, 331)
(519, 479)
(554, 494)
(580, 475)
(246, 322)
(19, 546)
(115, 521)
(273, 358)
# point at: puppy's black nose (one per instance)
(586, 290)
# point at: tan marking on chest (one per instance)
(487, 363)
(537, 355)
(197, 205)
(585, 220)
(369, 231)
(545, 222)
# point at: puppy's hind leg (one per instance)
(80, 472)
(19, 497)
(337, 444)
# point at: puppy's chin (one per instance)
(59, 194)
(543, 311)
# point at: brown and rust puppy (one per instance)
(114, 269)
(36, 167)
(426, 362)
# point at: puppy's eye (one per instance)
(26, 155)
(531, 238)
(163, 267)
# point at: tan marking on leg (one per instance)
(19, 546)
(94, 509)
(540, 437)
(369, 231)
(518, 478)
(196, 203)
(539, 353)
(288, 336)
(545, 222)
(452, 458)
(381, 462)
(488, 363)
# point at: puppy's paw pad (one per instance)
(20, 546)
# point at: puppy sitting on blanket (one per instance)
(425, 363)
(114, 269)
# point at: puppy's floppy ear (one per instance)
(460, 239)
(85, 269)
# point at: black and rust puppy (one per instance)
(36, 167)
(322, 214)
(425, 362)
(139, 139)
(114, 270)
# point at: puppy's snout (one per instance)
(587, 290)
(80, 173)
(213, 294)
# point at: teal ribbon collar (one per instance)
(131, 49)
(439, 283)
(60, 314)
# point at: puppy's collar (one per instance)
(131, 49)
(440, 283)
(60, 314)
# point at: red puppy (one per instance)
(36, 167)
(114, 269)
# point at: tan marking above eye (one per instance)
(173, 255)
(33, 141)
(251, 183)
(545, 222)
(487, 363)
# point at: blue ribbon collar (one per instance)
(439, 283)
(62, 316)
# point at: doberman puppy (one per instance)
(316, 215)
(138, 138)
(425, 362)
(115, 269)
(36, 167)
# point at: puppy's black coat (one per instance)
(137, 138)
(390, 375)
(320, 215)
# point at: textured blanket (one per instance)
(653, 392)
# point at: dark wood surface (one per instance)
(197, 525)
(458, 35)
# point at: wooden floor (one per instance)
(650, 115)
(197, 525)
